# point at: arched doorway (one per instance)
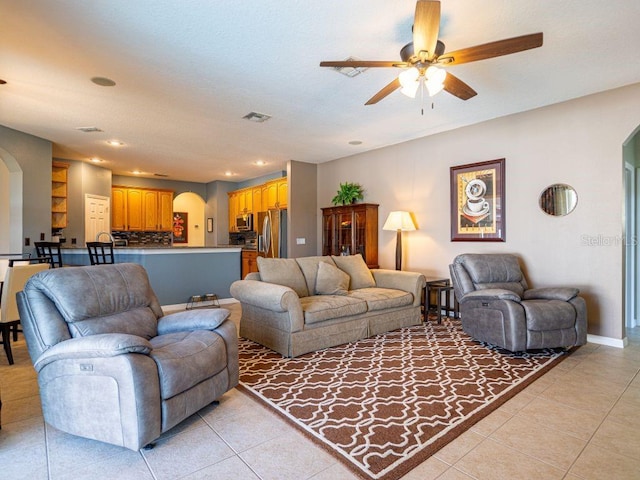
(631, 252)
(194, 206)
(11, 204)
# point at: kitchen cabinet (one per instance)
(165, 210)
(59, 176)
(233, 210)
(118, 208)
(256, 198)
(249, 262)
(141, 209)
(351, 229)
(283, 193)
(276, 193)
(245, 201)
(259, 198)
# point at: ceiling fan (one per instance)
(423, 57)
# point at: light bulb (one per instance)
(435, 80)
(409, 79)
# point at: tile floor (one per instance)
(579, 421)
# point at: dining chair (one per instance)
(51, 250)
(100, 253)
(15, 278)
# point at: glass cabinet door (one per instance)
(359, 232)
(328, 247)
(345, 233)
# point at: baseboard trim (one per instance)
(608, 341)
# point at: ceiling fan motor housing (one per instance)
(408, 55)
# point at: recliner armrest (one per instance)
(551, 293)
(94, 346)
(191, 320)
(491, 294)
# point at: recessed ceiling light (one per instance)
(96, 160)
(228, 174)
(137, 172)
(103, 81)
(260, 163)
(115, 143)
(355, 142)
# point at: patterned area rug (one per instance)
(385, 404)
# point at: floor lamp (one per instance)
(399, 221)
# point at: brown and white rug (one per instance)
(385, 404)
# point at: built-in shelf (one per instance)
(59, 175)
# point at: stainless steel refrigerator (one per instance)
(272, 240)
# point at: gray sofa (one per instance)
(110, 365)
(498, 307)
(296, 306)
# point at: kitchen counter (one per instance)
(176, 273)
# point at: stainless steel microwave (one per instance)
(244, 222)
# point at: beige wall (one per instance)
(577, 142)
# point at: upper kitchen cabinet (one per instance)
(165, 214)
(256, 198)
(245, 201)
(59, 175)
(233, 210)
(141, 209)
(274, 194)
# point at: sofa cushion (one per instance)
(283, 271)
(185, 359)
(309, 267)
(318, 308)
(356, 268)
(382, 298)
(331, 280)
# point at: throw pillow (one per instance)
(331, 280)
(356, 268)
(283, 271)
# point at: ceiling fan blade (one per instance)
(363, 64)
(426, 26)
(457, 87)
(390, 88)
(493, 49)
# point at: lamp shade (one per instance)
(399, 221)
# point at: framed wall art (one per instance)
(180, 227)
(478, 202)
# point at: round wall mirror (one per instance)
(558, 199)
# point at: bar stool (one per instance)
(100, 253)
(50, 250)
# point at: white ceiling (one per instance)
(188, 71)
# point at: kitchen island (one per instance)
(176, 273)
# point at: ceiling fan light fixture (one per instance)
(410, 81)
(435, 80)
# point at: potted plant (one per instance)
(348, 194)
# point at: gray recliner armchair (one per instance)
(110, 365)
(498, 307)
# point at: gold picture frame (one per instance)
(478, 202)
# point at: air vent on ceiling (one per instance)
(350, 71)
(160, 175)
(257, 117)
(88, 129)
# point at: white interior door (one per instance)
(97, 217)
